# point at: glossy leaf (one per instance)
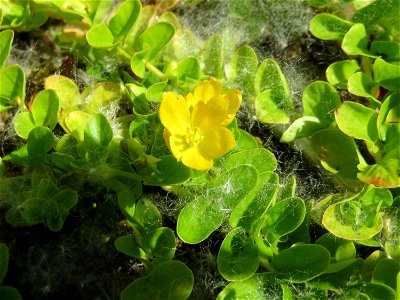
(154, 92)
(337, 152)
(40, 141)
(357, 121)
(127, 244)
(160, 243)
(189, 67)
(320, 99)
(243, 68)
(127, 203)
(45, 109)
(355, 42)
(237, 256)
(147, 216)
(283, 218)
(329, 27)
(98, 131)
(67, 91)
(270, 109)
(339, 72)
(360, 85)
(6, 39)
(389, 50)
(248, 211)
(170, 171)
(386, 272)
(357, 229)
(340, 249)
(387, 74)
(173, 279)
(302, 127)
(315, 260)
(13, 84)
(201, 217)
(121, 23)
(260, 158)
(154, 38)
(251, 288)
(100, 36)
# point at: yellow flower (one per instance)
(195, 125)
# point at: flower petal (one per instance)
(217, 142)
(174, 113)
(178, 145)
(234, 99)
(195, 158)
(210, 114)
(207, 90)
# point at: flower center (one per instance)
(193, 136)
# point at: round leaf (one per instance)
(168, 280)
(357, 121)
(355, 42)
(387, 74)
(243, 67)
(314, 261)
(238, 256)
(6, 39)
(45, 109)
(320, 99)
(339, 72)
(100, 36)
(329, 27)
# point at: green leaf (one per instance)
(160, 243)
(97, 96)
(329, 27)
(337, 152)
(173, 279)
(383, 174)
(45, 109)
(170, 171)
(40, 141)
(301, 127)
(320, 99)
(67, 91)
(76, 123)
(9, 293)
(155, 38)
(386, 272)
(154, 92)
(100, 36)
(388, 50)
(260, 158)
(248, 211)
(387, 75)
(388, 116)
(360, 85)
(189, 67)
(147, 216)
(251, 288)
(357, 121)
(319, 3)
(314, 261)
(201, 217)
(127, 244)
(213, 57)
(243, 68)
(127, 203)
(98, 131)
(13, 84)
(339, 248)
(23, 124)
(6, 39)
(355, 42)
(270, 109)
(339, 72)
(4, 256)
(124, 19)
(237, 256)
(273, 102)
(337, 220)
(283, 218)
(377, 291)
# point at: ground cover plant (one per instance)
(200, 149)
